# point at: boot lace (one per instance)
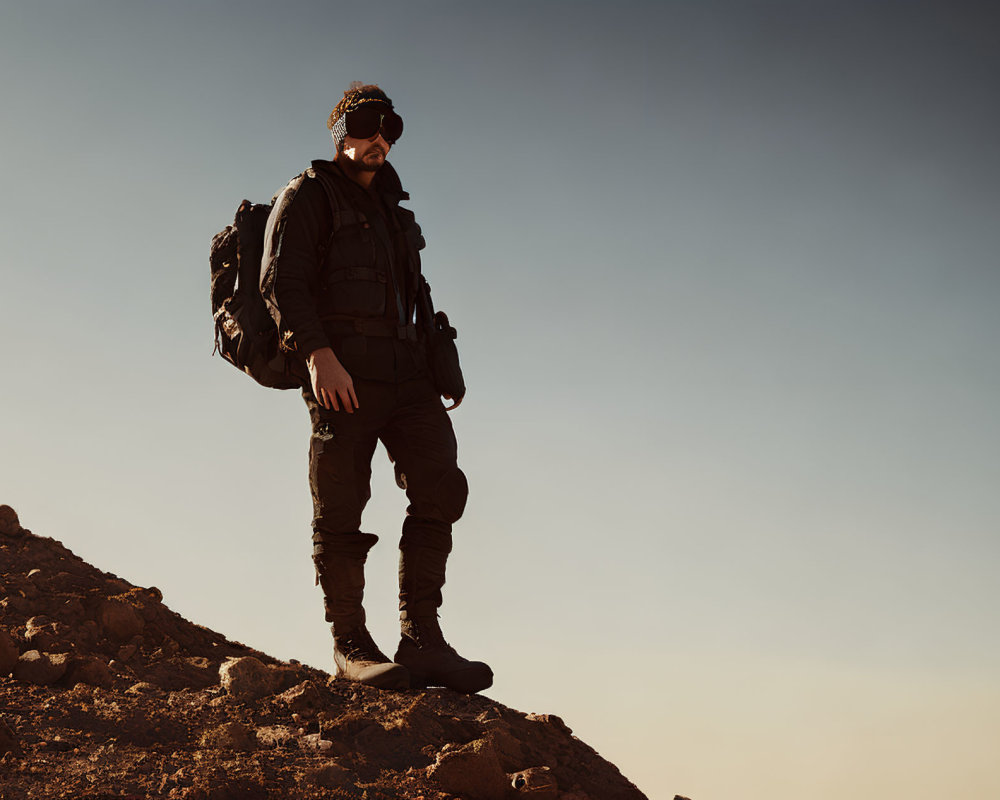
(358, 645)
(427, 633)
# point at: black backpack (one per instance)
(245, 333)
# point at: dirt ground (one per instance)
(107, 693)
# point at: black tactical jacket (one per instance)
(344, 273)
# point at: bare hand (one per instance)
(455, 404)
(332, 385)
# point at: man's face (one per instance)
(366, 155)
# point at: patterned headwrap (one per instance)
(355, 97)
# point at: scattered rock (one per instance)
(119, 621)
(315, 741)
(247, 678)
(230, 736)
(9, 524)
(472, 769)
(8, 653)
(40, 668)
(304, 699)
(538, 782)
(111, 729)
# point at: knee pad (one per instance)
(451, 492)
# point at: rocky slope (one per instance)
(106, 693)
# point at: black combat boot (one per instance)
(433, 662)
(422, 647)
(340, 568)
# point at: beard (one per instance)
(371, 161)
(371, 164)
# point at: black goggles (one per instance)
(367, 121)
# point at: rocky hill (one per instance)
(107, 693)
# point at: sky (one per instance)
(726, 281)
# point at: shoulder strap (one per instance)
(332, 195)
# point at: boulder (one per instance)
(472, 770)
(90, 670)
(247, 678)
(41, 668)
(118, 620)
(9, 524)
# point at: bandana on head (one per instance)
(356, 98)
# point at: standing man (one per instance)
(341, 274)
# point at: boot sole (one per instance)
(464, 681)
(397, 678)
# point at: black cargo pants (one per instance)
(409, 419)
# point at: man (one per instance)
(341, 274)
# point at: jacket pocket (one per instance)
(356, 292)
(353, 245)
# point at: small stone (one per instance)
(539, 782)
(40, 668)
(145, 689)
(314, 741)
(8, 654)
(247, 678)
(119, 620)
(230, 736)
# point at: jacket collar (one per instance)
(386, 180)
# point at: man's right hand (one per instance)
(331, 383)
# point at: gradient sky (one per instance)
(726, 281)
